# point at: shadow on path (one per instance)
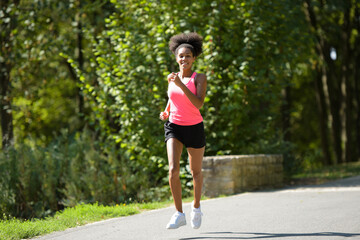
(246, 235)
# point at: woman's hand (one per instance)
(164, 115)
(173, 77)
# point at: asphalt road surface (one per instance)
(328, 212)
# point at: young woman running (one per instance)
(185, 126)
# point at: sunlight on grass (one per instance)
(70, 217)
(331, 172)
(82, 214)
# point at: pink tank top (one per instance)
(182, 111)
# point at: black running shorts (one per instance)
(191, 136)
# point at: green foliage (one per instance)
(131, 61)
(45, 93)
(37, 181)
(42, 108)
(335, 27)
(250, 54)
(327, 173)
(247, 74)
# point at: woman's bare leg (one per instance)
(195, 157)
(174, 150)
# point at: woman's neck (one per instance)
(186, 73)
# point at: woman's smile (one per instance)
(185, 57)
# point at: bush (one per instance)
(37, 181)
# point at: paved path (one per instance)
(327, 212)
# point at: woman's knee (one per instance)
(174, 172)
(196, 174)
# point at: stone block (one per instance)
(237, 173)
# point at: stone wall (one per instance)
(239, 173)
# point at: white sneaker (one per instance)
(176, 221)
(195, 217)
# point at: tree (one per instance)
(335, 26)
(8, 23)
(44, 92)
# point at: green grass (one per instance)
(328, 173)
(70, 217)
(82, 214)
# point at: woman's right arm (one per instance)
(165, 114)
(167, 109)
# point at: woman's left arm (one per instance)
(201, 84)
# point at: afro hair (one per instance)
(193, 39)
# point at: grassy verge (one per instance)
(70, 217)
(325, 174)
(14, 229)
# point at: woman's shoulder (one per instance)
(200, 77)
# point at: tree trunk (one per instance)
(5, 69)
(336, 100)
(332, 96)
(357, 83)
(323, 117)
(357, 89)
(5, 109)
(347, 88)
(285, 113)
(327, 80)
(81, 67)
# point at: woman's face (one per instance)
(185, 58)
